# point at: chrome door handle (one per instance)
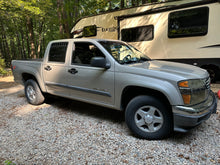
(48, 68)
(73, 71)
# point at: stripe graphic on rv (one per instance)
(211, 46)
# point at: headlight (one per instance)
(194, 91)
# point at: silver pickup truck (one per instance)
(156, 96)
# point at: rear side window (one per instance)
(186, 23)
(136, 34)
(58, 52)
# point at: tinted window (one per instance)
(58, 52)
(185, 23)
(142, 33)
(84, 52)
(89, 31)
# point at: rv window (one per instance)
(186, 23)
(58, 52)
(136, 34)
(89, 31)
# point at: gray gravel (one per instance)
(68, 132)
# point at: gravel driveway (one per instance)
(62, 131)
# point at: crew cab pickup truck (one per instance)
(157, 97)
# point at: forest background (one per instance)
(28, 25)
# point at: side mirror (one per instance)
(100, 62)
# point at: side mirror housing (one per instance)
(100, 62)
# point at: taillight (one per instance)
(13, 67)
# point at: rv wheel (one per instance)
(212, 74)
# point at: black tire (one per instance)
(148, 118)
(212, 74)
(33, 93)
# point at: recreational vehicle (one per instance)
(180, 31)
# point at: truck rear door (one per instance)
(55, 69)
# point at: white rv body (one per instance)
(202, 50)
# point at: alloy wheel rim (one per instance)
(149, 119)
(31, 93)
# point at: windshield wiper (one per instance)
(143, 59)
(134, 60)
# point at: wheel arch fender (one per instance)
(162, 90)
(35, 76)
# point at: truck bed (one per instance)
(32, 66)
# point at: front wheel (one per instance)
(148, 118)
(33, 93)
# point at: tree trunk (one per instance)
(43, 44)
(28, 43)
(122, 4)
(133, 2)
(40, 39)
(144, 1)
(59, 12)
(13, 49)
(17, 44)
(110, 5)
(65, 25)
(7, 52)
(20, 50)
(31, 37)
(23, 44)
(76, 6)
(2, 47)
(63, 21)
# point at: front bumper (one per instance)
(189, 117)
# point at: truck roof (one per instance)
(84, 39)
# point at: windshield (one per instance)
(124, 53)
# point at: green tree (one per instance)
(28, 25)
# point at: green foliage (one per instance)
(8, 162)
(2, 66)
(28, 25)
(3, 72)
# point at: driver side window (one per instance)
(84, 52)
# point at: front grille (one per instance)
(207, 83)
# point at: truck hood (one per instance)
(172, 69)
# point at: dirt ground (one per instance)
(7, 82)
(63, 131)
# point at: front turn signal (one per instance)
(184, 84)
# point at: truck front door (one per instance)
(88, 83)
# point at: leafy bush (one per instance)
(8, 162)
(3, 71)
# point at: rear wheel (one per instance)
(33, 93)
(148, 118)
